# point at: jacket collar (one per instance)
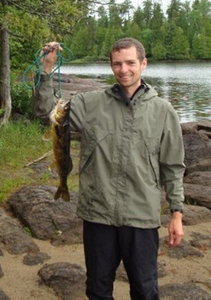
(119, 92)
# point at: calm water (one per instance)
(186, 85)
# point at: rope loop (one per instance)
(36, 68)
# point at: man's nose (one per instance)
(124, 68)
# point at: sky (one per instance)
(164, 3)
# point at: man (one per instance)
(131, 147)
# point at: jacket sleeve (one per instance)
(172, 160)
(43, 98)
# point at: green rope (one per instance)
(38, 68)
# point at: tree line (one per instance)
(89, 28)
(183, 32)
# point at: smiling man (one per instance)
(127, 65)
(131, 149)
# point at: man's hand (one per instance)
(175, 229)
(49, 59)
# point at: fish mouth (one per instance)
(60, 110)
(63, 103)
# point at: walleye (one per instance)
(61, 146)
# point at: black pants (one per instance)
(105, 246)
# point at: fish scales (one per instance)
(60, 118)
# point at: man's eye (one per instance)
(116, 64)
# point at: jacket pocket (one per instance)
(153, 148)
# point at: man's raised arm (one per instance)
(43, 95)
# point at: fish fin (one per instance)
(47, 136)
(52, 166)
(63, 193)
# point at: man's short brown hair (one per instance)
(126, 43)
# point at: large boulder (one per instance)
(197, 144)
(67, 280)
(35, 208)
(186, 290)
(198, 195)
(200, 178)
(13, 237)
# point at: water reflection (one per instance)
(192, 101)
(186, 85)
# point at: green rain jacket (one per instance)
(130, 151)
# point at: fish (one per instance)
(61, 140)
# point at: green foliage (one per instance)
(202, 47)
(27, 230)
(168, 36)
(28, 33)
(159, 51)
(21, 97)
(147, 38)
(134, 31)
(1, 112)
(63, 16)
(32, 23)
(180, 46)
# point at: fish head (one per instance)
(61, 111)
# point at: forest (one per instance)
(183, 32)
(88, 28)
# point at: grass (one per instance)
(22, 143)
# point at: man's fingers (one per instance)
(174, 239)
(48, 54)
(50, 47)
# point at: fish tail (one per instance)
(63, 193)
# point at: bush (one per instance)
(21, 98)
(159, 51)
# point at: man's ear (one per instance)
(144, 63)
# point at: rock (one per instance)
(73, 85)
(200, 241)
(197, 144)
(66, 238)
(1, 273)
(67, 280)
(12, 236)
(35, 208)
(200, 178)
(181, 251)
(198, 195)
(35, 258)
(185, 291)
(195, 215)
(161, 271)
(3, 296)
(197, 188)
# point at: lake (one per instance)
(187, 85)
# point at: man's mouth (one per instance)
(125, 77)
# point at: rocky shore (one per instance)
(41, 241)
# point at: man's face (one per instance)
(127, 68)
